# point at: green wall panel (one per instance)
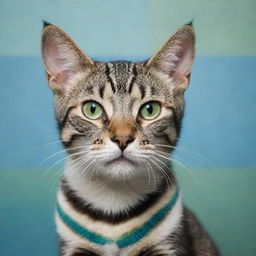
(223, 27)
(129, 27)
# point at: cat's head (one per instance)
(118, 119)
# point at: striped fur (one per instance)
(117, 195)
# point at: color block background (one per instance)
(218, 137)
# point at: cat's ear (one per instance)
(173, 62)
(63, 59)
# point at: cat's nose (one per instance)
(122, 140)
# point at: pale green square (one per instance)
(222, 27)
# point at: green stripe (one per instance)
(83, 232)
(126, 239)
(223, 27)
(138, 233)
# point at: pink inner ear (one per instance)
(181, 63)
(60, 63)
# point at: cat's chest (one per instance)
(150, 248)
(113, 250)
(160, 249)
(127, 239)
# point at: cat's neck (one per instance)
(111, 195)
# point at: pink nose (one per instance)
(122, 140)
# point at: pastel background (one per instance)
(217, 145)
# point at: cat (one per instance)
(119, 122)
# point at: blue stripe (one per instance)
(128, 238)
(83, 232)
(145, 229)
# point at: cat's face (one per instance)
(118, 119)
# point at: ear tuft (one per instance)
(46, 23)
(190, 23)
(173, 62)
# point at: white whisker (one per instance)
(178, 163)
(188, 151)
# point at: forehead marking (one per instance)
(132, 82)
(142, 91)
(131, 78)
(102, 91)
(108, 92)
(110, 77)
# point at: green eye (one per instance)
(150, 110)
(92, 110)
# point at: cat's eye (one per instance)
(150, 110)
(92, 110)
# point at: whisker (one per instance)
(152, 171)
(180, 164)
(168, 167)
(149, 176)
(95, 168)
(47, 144)
(61, 151)
(163, 171)
(188, 151)
(60, 160)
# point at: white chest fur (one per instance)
(159, 233)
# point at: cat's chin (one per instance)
(120, 168)
(121, 161)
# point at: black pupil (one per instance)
(149, 108)
(93, 108)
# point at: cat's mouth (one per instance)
(121, 160)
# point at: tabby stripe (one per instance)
(62, 245)
(142, 90)
(84, 252)
(177, 122)
(134, 73)
(152, 91)
(109, 78)
(183, 237)
(141, 87)
(86, 208)
(152, 251)
(62, 123)
(131, 78)
(128, 238)
(101, 91)
(75, 125)
(68, 143)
